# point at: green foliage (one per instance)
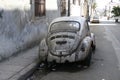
(94, 5)
(116, 11)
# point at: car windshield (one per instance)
(65, 26)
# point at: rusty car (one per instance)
(68, 40)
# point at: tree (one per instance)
(94, 5)
(116, 12)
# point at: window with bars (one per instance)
(79, 2)
(76, 1)
(39, 8)
(63, 7)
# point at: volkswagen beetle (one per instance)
(68, 40)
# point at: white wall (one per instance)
(52, 9)
(18, 27)
(17, 32)
(16, 13)
(75, 10)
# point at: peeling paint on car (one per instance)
(65, 45)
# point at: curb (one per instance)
(26, 72)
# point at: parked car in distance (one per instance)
(68, 40)
(95, 19)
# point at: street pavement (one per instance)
(105, 62)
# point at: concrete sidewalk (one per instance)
(16, 67)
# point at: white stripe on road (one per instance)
(115, 42)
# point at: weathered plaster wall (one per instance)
(17, 31)
(52, 9)
(75, 10)
(19, 28)
(15, 14)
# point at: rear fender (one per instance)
(86, 44)
(43, 50)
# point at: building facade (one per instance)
(25, 22)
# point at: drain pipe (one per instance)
(68, 7)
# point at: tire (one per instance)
(48, 65)
(93, 47)
(39, 57)
(87, 60)
(116, 20)
(45, 67)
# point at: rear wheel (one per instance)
(87, 60)
(49, 65)
(45, 66)
(93, 47)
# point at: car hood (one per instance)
(63, 43)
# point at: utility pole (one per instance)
(68, 7)
(110, 8)
(105, 12)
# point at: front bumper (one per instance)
(70, 58)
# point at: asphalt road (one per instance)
(105, 62)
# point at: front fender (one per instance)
(43, 50)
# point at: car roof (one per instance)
(77, 18)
